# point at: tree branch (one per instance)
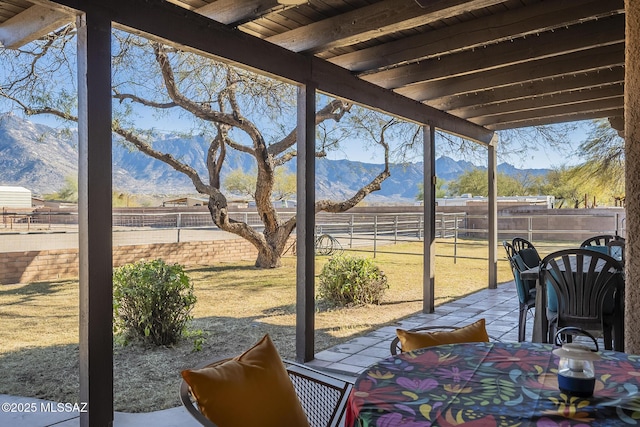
(374, 185)
(335, 207)
(240, 147)
(146, 102)
(146, 148)
(214, 164)
(335, 110)
(202, 111)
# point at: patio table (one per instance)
(490, 384)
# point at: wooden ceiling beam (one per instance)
(537, 88)
(541, 121)
(9, 10)
(589, 35)
(365, 23)
(537, 102)
(588, 106)
(339, 82)
(502, 26)
(573, 63)
(32, 24)
(236, 12)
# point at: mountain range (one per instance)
(39, 158)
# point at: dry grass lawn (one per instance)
(237, 304)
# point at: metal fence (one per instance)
(345, 231)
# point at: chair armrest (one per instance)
(189, 404)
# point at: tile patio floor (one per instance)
(498, 306)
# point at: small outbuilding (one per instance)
(185, 201)
(14, 197)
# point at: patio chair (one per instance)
(599, 243)
(526, 290)
(589, 287)
(426, 336)
(322, 397)
(527, 251)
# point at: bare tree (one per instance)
(228, 105)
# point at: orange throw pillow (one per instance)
(475, 332)
(252, 389)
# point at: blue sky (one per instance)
(529, 159)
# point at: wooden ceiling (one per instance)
(496, 63)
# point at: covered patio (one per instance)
(465, 67)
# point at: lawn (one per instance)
(237, 304)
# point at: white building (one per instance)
(468, 199)
(14, 197)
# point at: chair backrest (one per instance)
(588, 286)
(527, 251)
(396, 348)
(323, 397)
(508, 247)
(600, 240)
(520, 243)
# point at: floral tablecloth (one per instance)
(491, 384)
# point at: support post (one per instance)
(305, 220)
(632, 175)
(493, 213)
(429, 205)
(94, 218)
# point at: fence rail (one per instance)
(352, 231)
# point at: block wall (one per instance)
(33, 266)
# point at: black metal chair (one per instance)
(527, 251)
(589, 286)
(323, 397)
(526, 289)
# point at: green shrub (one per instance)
(348, 280)
(152, 300)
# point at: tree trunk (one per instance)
(270, 244)
(268, 258)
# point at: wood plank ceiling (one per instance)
(496, 63)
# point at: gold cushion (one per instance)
(252, 389)
(475, 332)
